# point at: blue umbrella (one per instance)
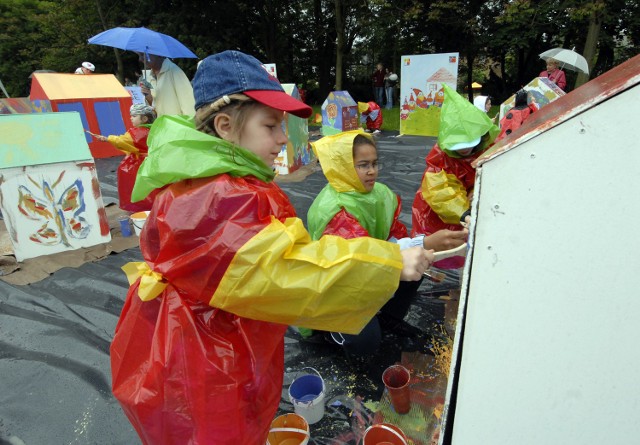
(143, 40)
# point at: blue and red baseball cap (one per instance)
(232, 72)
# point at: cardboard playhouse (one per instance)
(339, 113)
(297, 151)
(102, 102)
(545, 349)
(49, 191)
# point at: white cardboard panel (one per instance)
(550, 350)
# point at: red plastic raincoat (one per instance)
(197, 357)
(514, 120)
(449, 178)
(134, 144)
(372, 114)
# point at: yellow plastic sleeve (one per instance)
(446, 195)
(332, 284)
(123, 143)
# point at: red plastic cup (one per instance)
(396, 380)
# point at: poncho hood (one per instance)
(374, 210)
(178, 151)
(335, 154)
(462, 121)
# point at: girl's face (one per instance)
(365, 159)
(262, 133)
(487, 105)
(138, 120)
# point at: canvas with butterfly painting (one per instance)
(52, 208)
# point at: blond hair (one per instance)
(237, 106)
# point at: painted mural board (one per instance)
(49, 191)
(102, 102)
(23, 105)
(41, 138)
(339, 113)
(296, 152)
(541, 92)
(421, 93)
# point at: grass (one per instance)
(390, 118)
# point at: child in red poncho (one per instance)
(371, 116)
(444, 197)
(198, 352)
(134, 144)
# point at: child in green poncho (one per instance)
(355, 205)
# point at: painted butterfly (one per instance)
(62, 218)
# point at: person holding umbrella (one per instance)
(555, 74)
(172, 91)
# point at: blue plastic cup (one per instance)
(125, 228)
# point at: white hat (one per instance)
(79, 71)
(393, 77)
(463, 145)
(481, 102)
(88, 65)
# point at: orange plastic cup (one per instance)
(384, 434)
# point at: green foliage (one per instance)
(499, 41)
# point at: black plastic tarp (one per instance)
(55, 334)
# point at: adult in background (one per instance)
(172, 92)
(390, 82)
(555, 74)
(377, 78)
(87, 68)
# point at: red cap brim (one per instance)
(280, 101)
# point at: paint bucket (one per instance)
(307, 395)
(138, 219)
(288, 429)
(384, 434)
(396, 379)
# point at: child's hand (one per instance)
(415, 261)
(97, 136)
(445, 239)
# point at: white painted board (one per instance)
(550, 351)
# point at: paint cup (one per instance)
(384, 434)
(288, 429)
(307, 396)
(396, 380)
(138, 219)
(125, 228)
